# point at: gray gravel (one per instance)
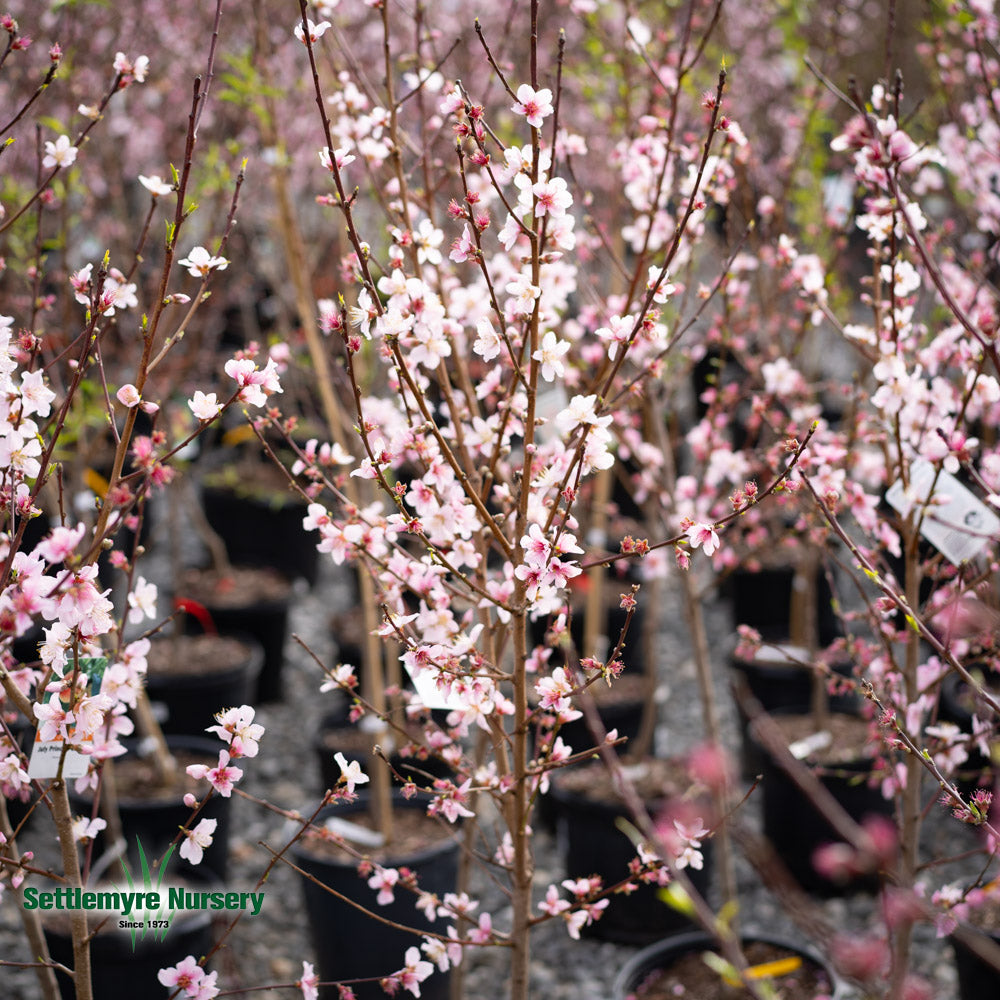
(270, 948)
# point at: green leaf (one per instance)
(676, 897)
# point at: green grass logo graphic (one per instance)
(155, 924)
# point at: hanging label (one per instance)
(955, 521)
(430, 693)
(46, 754)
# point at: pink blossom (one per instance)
(86, 829)
(414, 972)
(60, 544)
(142, 600)
(316, 31)
(535, 105)
(200, 263)
(464, 247)
(384, 880)
(351, 774)
(222, 776)
(309, 983)
(340, 157)
(129, 70)
(204, 406)
(553, 904)
(255, 384)
(55, 720)
(206, 989)
(186, 975)
(196, 840)
(59, 154)
(237, 728)
(155, 185)
(703, 536)
(551, 198)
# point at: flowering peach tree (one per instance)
(528, 242)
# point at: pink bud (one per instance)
(128, 395)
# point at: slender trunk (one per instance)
(713, 731)
(522, 874)
(294, 245)
(59, 796)
(30, 920)
(910, 811)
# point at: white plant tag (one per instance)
(958, 524)
(46, 754)
(354, 832)
(430, 695)
(801, 749)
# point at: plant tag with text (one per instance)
(956, 522)
(46, 754)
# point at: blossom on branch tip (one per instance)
(185, 975)
(222, 777)
(128, 395)
(58, 154)
(351, 774)
(535, 105)
(236, 727)
(200, 263)
(316, 31)
(196, 840)
(204, 405)
(703, 536)
(414, 972)
(155, 185)
(87, 829)
(131, 71)
(309, 983)
(341, 157)
(550, 354)
(255, 384)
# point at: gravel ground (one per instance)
(271, 947)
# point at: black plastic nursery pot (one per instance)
(260, 531)
(614, 618)
(186, 697)
(797, 830)
(123, 969)
(776, 679)
(762, 599)
(338, 733)
(349, 945)
(264, 618)
(641, 978)
(591, 842)
(977, 978)
(624, 714)
(153, 819)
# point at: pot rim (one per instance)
(683, 943)
(254, 664)
(448, 843)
